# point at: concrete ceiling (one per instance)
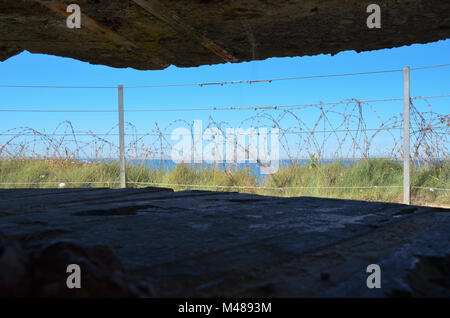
(149, 34)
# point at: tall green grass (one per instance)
(333, 180)
(365, 180)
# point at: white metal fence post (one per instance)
(406, 137)
(121, 140)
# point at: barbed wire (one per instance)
(235, 187)
(277, 188)
(419, 129)
(59, 182)
(337, 129)
(291, 106)
(431, 189)
(429, 137)
(201, 84)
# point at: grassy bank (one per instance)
(335, 180)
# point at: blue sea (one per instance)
(168, 165)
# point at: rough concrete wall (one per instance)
(156, 242)
(197, 32)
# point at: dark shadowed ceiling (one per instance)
(148, 34)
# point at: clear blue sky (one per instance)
(37, 69)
